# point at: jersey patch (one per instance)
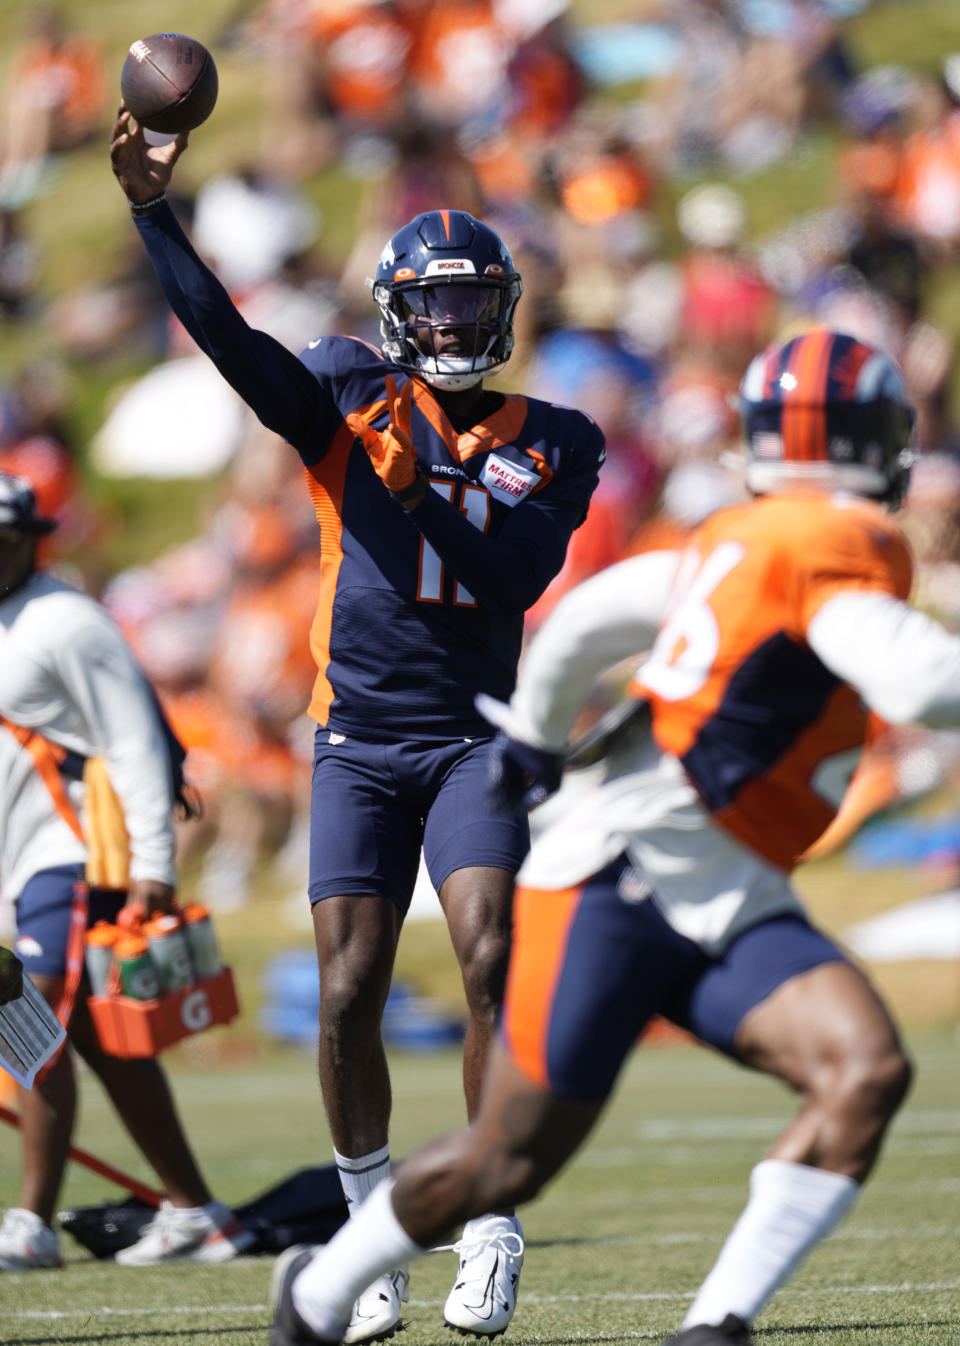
(508, 482)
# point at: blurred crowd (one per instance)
(616, 161)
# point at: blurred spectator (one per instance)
(691, 492)
(886, 257)
(427, 170)
(928, 184)
(599, 175)
(584, 363)
(728, 309)
(18, 266)
(459, 62)
(334, 73)
(247, 226)
(929, 366)
(53, 101)
(931, 521)
(35, 443)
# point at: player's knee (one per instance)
(484, 971)
(870, 1083)
(889, 1076)
(347, 1007)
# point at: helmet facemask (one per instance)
(451, 331)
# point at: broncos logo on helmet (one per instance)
(827, 411)
(447, 288)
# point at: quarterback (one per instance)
(445, 509)
(665, 887)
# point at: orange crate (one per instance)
(128, 1027)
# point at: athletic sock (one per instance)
(369, 1244)
(358, 1177)
(790, 1209)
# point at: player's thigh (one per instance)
(365, 835)
(782, 997)
(825, 1021)
(462, 830)
(589, 967)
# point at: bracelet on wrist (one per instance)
(138, 207)
(410, 496)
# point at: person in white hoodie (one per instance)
(663, 887)
(71, 691)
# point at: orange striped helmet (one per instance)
(447, 288)
(827, 411)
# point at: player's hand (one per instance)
(391, 452)
(519, 776)
(11, 976)
(146, 897)
(143, 171)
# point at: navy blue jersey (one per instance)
(417, 611)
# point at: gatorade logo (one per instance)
(195, 1012)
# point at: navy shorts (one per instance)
(592, 965)
(43, 917)
(374, 805)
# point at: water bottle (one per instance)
(98, 955)
(167, 941)
(202, 939)
(138, 976)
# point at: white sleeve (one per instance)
(905, 665)
(610, 616)
(104, 681)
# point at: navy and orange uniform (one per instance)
(768, 735)
(416, 612)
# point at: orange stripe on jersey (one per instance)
(499, 429)
(541, 929)
(325, 481)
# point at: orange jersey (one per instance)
(768, 734)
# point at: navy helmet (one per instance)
(827, 411)
(447, 288)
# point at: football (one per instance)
(169, 82)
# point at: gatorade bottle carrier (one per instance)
(129, 1027)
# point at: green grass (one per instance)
(616, 1246)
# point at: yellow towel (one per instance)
(108, 844)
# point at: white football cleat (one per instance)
(483, 1300)
(376, 1314)
(209, 1233)
(26, 1243)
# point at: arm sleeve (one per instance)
(609, 617)
(905, 665)
(105, 683)
(274, 383)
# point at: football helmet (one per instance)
(827, 411)
(447, 288)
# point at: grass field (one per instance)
(616, 1247)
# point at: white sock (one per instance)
(791, 1208)
(358, 1177)
(372, 1242)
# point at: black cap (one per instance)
(18, 506)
